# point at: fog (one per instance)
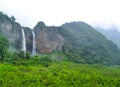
(101, 13)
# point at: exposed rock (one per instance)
(12, 31)
(29, 38)
(48, 39)
(77, 40)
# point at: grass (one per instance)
(59, 74)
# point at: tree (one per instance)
(13, 18)
(4, 44)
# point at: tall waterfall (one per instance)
(23, 41)
(34, 44)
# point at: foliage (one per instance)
(62, 74)
(4, 17)
(45, 61)
(40, 24)
(85, 45)
(4, 44)
(111, 33)
(58, 56)
(12, 18)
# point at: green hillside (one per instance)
(87, 58)
(111, 34)
(77, 40)
(85, 45)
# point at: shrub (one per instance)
(45, 61)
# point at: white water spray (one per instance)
(34, 44)
(23, 41)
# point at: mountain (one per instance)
(84, 44)
(77, 40)
(111, 34)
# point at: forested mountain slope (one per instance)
(111, 34)
(85, 45)
(76, 40)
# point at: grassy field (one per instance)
(59, 74)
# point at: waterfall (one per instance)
(23, 41)
(34, 44)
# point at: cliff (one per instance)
(29, 39)
(77, 40)
(11, 30)
(47, 38)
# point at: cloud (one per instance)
(56, 12)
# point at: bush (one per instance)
(28, 56)
(45, 61)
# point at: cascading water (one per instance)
(34, 44)
(23, 41)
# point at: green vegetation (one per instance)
(59, 74)
(4, 17)
(50, 70)
(82, 62)
(12, 18)
(85, 45)
(4, 44)
(111, 33)
(82, 44)
(54, 70)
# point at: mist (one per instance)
(94, 12)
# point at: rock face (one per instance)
(47, 38)
(12, 31)
(77, 40)
(29, 38)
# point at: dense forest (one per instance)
(111, 33)
(87, 59)
(83, 44)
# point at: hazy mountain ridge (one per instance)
(111, 34)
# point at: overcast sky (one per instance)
(57, 12)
